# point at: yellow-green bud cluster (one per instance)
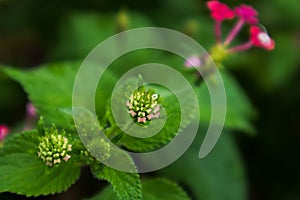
(143, 105)
(105, 153)
(54, 148)
(102, 154)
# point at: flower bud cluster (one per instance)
(143, 105)
(54, 148)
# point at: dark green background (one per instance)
(35, 32)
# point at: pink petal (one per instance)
(156, 109)
(260, 38)
(150, 116)
(129, 105)
(66, 158)
(247, 13)
(156, 115)
(142, 119)
(69, 147)
(3, 131)
(132, 113)
(30, 109)
(193, 61)
(220, 11)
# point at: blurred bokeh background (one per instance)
(34, 32)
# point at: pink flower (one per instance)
(132, 113)
(247, 13)
(69, 147)
(3, 131)
(220, 11)
(31, 111)
(150, 116)
(129, 105)
(66, 158)
(260, 38)
(156, 109)
(193, 61)
(142, 119)
(156, 115)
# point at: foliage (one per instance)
(49, 87)
(168, 190)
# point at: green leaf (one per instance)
(220, 175)
(163, 189)
(125, 185)
(23, 172)
(239, 111)
(50, 89)
(153, 189)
